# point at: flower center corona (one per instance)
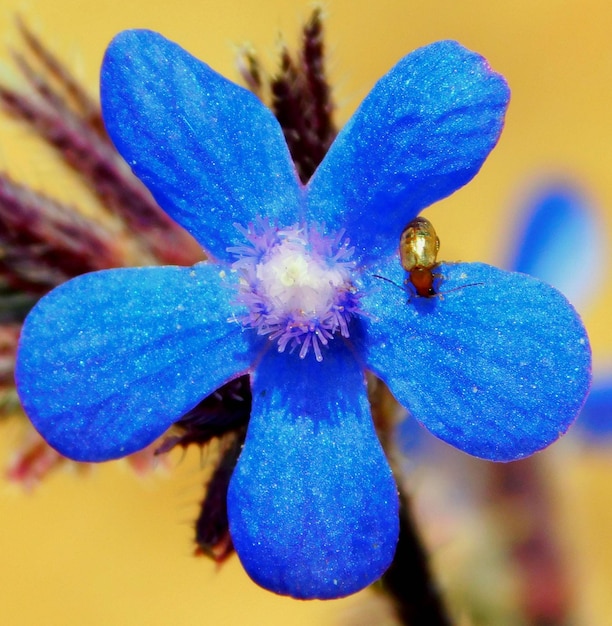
(297, 285)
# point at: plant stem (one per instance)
(409, 579)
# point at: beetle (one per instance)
(418, 250)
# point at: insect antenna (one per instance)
(389, 281)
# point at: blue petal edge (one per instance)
(313, 507)
(499, 366)
(109, 360)
(424, 130)
(209, 151)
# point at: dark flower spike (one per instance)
(247, 64)
(314, 70)
(86, 106)
(301, 101)
(225, 411)
(45, 243)
(498, 366)
(9, 334)
(212, 535)
(108, 361)
(69, 121)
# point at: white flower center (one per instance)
(297, 285)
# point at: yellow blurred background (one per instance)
(109, 548)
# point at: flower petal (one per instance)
(209, 151)
(498, 366)
(313, 507)
(109, 360)
(423, 131)
(561, 242)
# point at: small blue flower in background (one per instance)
(595, 421)
(292, 295)
(561, 242)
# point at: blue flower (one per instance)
(108, 361)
